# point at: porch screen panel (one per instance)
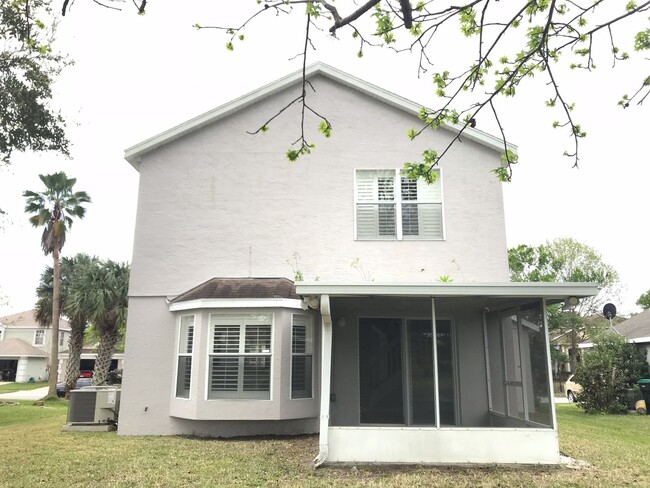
(421, 375)
(380, 371)
(495, 361)
(536, 372)
(512, 356)
(446, 386)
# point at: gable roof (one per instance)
(15, 347)
(28, 320)
(636, 327)
(133, 153)
(240, 288)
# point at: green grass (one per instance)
(35, 452)
(14, 387)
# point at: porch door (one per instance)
(381, 372)
(397, 377)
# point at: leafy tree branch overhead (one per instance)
(28, 68)
(509, 42)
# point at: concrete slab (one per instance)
(36, 394)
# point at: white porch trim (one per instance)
(325, 375)
(552, 291)
(236, 303)
(443, 446)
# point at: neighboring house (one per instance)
(87, 361)
(374, 352)
(636, 329)
(25, 347)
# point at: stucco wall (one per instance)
(31, 368)
(220, 202)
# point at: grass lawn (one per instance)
(13, 387)
(35, 452)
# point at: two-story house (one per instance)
(25, 347)
(376, 350)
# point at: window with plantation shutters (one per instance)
(240, 357)
(301, 356)
(185, 348)
(390, 206)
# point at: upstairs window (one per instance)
(61, 338)
(184, 363)
(302, 351)
(390, 206)
(39, 337)
(240, 357)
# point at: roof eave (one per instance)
(556, 291)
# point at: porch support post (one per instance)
(549, 373)
(325, 375)
(436, 390)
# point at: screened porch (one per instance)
(461, 377)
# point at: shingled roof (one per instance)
(636, 327)
(15, 347)
(240, 288)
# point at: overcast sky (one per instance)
(137, 76)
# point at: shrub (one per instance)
(606, 371)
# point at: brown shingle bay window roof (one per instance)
(240, 288)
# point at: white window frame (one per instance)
(242, 320)
(39, 337)
(61, 338)
(180, 339)
(310, 333)
(398, 202)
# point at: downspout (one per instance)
(326, 367)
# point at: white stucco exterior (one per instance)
(232, 205)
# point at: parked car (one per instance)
(572, 389)
(60, 387)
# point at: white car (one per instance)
(572, 389)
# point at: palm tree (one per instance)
(71, 269)
(54, 210)
(102, 292)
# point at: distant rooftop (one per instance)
(28, 320)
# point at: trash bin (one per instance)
(644, 386)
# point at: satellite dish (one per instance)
(609, 310)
